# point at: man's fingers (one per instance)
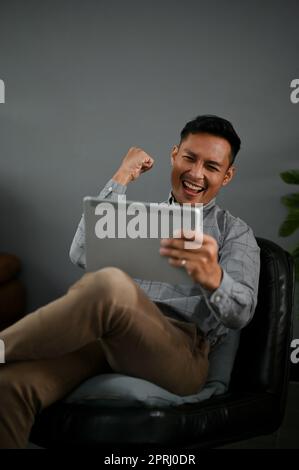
(208, 240)
(147, 164)
(177, 262)
(180, 244)
(185, 234)
(183, 263)
(190, 235)
(172, 243)
(172, 252)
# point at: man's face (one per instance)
(200, 167)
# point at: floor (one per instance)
(287, 437)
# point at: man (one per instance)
(156, 331)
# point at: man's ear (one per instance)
(229, 175)
(173, 154)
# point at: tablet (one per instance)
(126, 234)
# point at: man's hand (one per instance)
(134, 163)
(201, 263)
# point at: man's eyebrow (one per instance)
(193, 154)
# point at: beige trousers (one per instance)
(104, 323)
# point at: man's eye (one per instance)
(211, 167)
(188, 157)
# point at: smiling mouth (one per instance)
(192, 188)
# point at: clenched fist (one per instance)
(136, 161)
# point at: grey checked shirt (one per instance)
(232, 305)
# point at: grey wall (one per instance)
(85, 80)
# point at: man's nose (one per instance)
(197, 172)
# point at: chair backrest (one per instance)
(262, 363)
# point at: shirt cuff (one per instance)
(221, 297)
(112, 187)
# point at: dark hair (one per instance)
(214, 125)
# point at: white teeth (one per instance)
(192, 186)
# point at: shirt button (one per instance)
(110, 188)
(217, 298)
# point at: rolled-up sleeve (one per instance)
(235, 300)
(77, 251)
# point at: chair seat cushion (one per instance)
(117, 390)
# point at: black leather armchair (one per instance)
(254, 404)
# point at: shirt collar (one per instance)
(211, 203)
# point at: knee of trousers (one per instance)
(110, 282)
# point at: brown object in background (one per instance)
(10, 266)
(12, 291)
